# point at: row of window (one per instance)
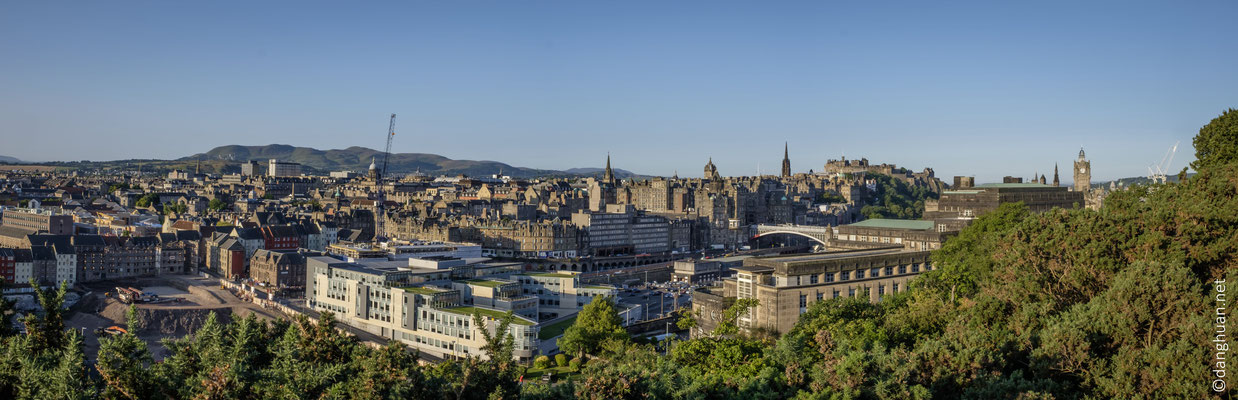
(851, 292)
(871, 273)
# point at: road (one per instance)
(654, 302)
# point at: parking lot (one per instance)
(657, 299)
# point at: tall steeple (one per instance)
(1056, 181)
(786, 160)
(610, 175)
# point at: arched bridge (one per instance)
(820, 234)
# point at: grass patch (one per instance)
(555, 329)
(420, 290)
(484, 282)
(561, 373)
(485, 312)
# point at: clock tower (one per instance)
(1083, 173)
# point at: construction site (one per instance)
(169, 306)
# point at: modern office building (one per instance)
(428, 303)
(277, 168)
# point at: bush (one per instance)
(541, 362)
(561, 360)
(575, 364)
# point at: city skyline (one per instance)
(966, 89)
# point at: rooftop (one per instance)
(1013, 185)
(551, 275)
(421, 290)
(485, 312)
(894, 224)
(555, 329)
(485, 282)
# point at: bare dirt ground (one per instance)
(171, 319)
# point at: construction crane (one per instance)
(380, 215)
(1157, 173)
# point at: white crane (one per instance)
(1157, 173)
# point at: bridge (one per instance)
(820, 234)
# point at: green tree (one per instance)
(46, 327)
(148, 200)
(175, 208)
(729, 326)
(597, 323)
(1217, 142)
(895, 198)
(122, 366)
(217, 204)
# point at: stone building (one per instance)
(913, 235)
(956, 209)
(37, 220)
(281, 269)
(786, 285)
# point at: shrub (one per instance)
(575, 364)
(541, 362)
(561, 360)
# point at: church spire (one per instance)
(610, 175)
(1056, 181)
(786, 160)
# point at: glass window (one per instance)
(803, 300)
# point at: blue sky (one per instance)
(981, 88)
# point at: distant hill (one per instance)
(619, 173)
(358, 159)
(8, 159)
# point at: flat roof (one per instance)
(485, 312)
(827, 256)
(894, 224)
(962, 192)
(551, 275)
(730, 258)
(421, 290)
(485, 282)
(555, 329)
(752, 268)
(1013, 185)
